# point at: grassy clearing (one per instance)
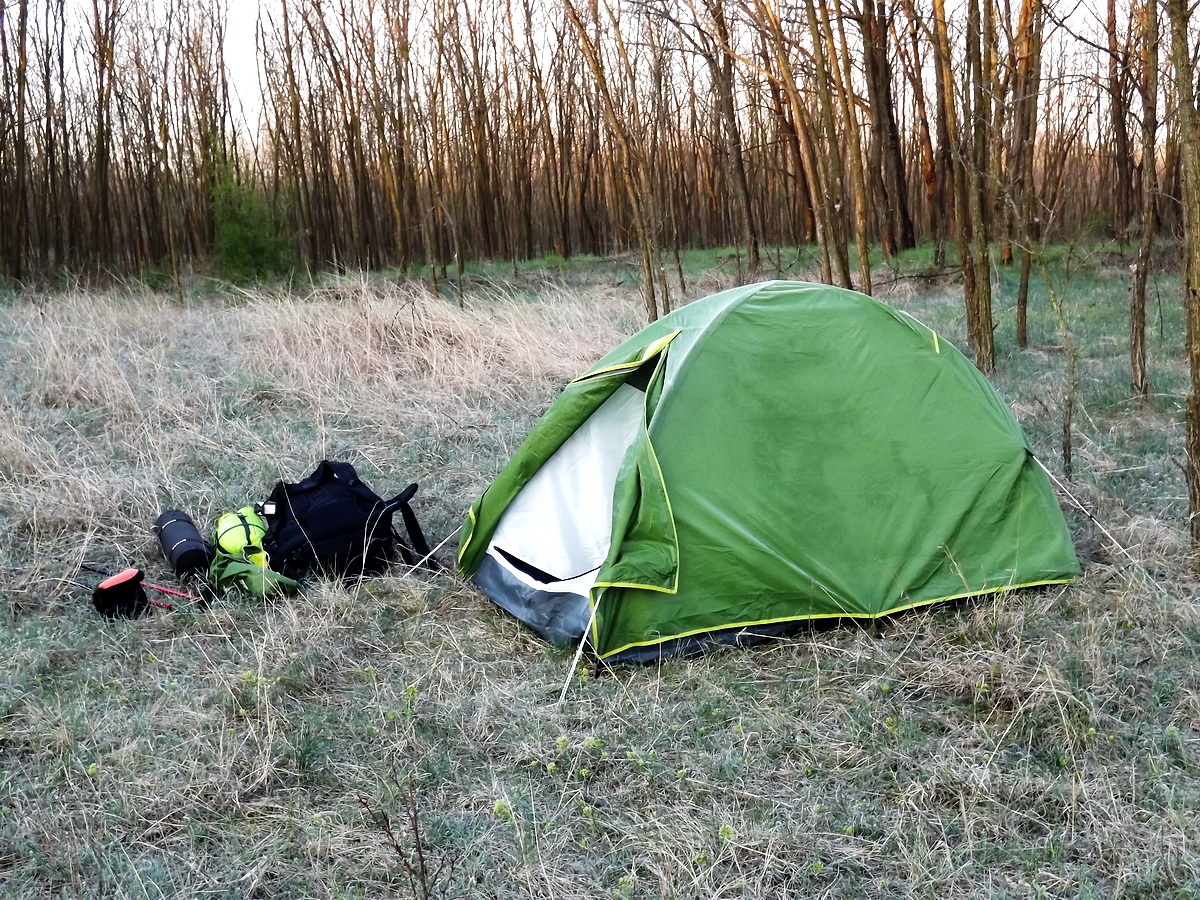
(1035, 744)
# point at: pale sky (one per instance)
(241, 55)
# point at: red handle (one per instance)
(167, 590)
(126, 574)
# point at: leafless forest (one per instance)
(394, 132)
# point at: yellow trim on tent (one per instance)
(656, 347)
(657, 588)
(899, 313)
(652, 350)
(670, 510)
(462, 551)
(898, 609)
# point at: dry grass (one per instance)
(1032, 744)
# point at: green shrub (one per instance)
(252, 239)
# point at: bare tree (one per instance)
(1179, 14)
(1148, 89)
(967, 160)
(1118, 93)
(840, 80)
(407, 132)
(14, 251)
(711, 38)
(829, 155)
(979, 301)
(896, 232)
(1028, 70)
(830, 242)
(627, 130)
(935, 167)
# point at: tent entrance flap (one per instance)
(558, 530)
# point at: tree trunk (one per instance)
(962, 217)
(104, 24)
(1028, 80)
(949, 155)
(1119, 117)
(813, 175)
(635, 184)
(16, 217)
(1179, 13)
(720, 65)
(979, 325)
(1148, 87)
(804, 206)
(830, 159)
(878, 68)
(914, 71)
(857, 175)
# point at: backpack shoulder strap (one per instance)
(416, 536)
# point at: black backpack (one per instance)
(332, 524)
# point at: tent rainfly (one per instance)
(771, 454)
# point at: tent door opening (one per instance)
(556, 534)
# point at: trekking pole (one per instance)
(100, 570)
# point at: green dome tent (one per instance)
(771, 454)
